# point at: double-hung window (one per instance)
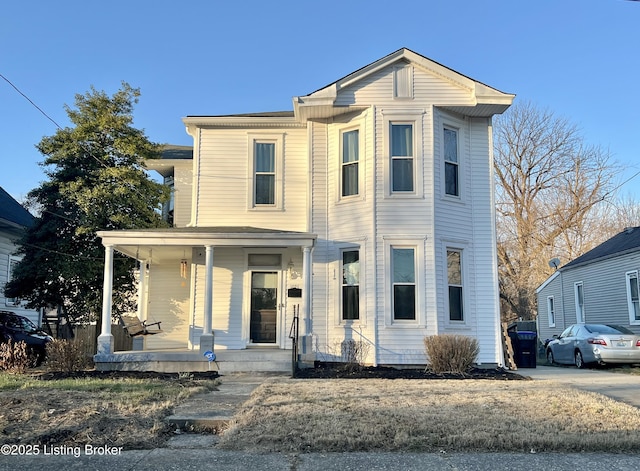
(578, 290)
(350, 285)
(403, 280)
(551, 311)
(13, 261)
(349, 162)
(451, 163)
(454, 279)
(265, 173)
(402, 157)
(633, 298)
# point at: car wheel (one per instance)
(550, 359)
(579, 359)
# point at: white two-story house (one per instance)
(367, 211)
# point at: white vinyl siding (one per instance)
(633, 298)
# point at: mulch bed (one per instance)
(327, 370)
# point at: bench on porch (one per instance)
(134, 326)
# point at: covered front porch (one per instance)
(233, 291)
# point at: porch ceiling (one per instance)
(176, 243)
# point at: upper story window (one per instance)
(633, 298)
(350, 285)
(402, 157)
(578, 290)
(350, 151)
(265, 173)
(13, 261)
(265, 167)
(403, 281)
(551, 311)
(167, 208)
(454, 279)
(451, 163)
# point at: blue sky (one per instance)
(578, 58)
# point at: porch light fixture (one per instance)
(183, 268)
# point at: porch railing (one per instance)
(294, 334)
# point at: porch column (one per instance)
(306, 273)
(206, 339)
(105, 339)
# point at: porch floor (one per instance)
(273, 360)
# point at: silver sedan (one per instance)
(581, 344)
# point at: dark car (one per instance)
(19, 328)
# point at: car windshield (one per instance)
(607, 329)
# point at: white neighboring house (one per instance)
(368, 209)
(599, 287)
(14, 219)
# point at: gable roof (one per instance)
(485, 100)
(626, 241)
(12, 214)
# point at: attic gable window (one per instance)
(403, 82)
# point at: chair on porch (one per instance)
(134, 326)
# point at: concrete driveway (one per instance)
(619, 386)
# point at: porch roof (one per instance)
(170, 243)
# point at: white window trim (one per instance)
(278, 140)
(551, 311)
(338, 320)
(461, 251)
(628, 276)
(580, 313)
(415, 117)
(418, 244)
(458, 126)
(12, 302)
(361, 154)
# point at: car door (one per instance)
(563, 351)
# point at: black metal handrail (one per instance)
(294, 335)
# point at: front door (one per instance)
(264, 310)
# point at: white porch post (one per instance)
(306, 273)
(105, 339)
(206, 339)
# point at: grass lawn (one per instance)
(430, 416)
(127, 412)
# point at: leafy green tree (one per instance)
(96, 181)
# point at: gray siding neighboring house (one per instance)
(14, 219)
(600, 286)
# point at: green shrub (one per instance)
(14, 357)
(451, 353)
(67, 356)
